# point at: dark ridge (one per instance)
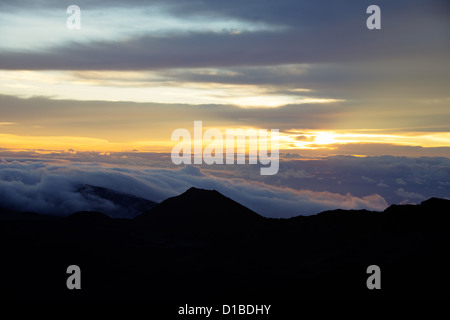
(203, 245)
(435, 203)
(8, 214)
(91, 216)
(431, 207)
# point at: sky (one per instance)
(138, 70)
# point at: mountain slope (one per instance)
(199, 210)
(204, 245)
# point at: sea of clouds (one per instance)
(302, 187)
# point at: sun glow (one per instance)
(288, 140)
(330, 139)
(324, 138)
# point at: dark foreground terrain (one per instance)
(204, 245)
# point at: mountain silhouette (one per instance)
(199, 211)
(203, 245)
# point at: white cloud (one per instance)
(117, 24)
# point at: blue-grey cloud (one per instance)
(316, 32)
(396, 179)
(304, 186)
(54, 188)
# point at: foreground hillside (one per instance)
(203, 245)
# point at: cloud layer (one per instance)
(312, 32)
(53, 188)
(303, 186)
